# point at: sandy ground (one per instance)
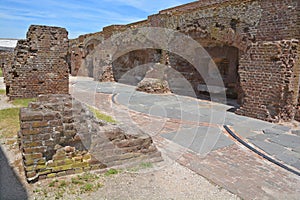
(165, 180)
(172, 181)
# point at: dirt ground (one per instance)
(164, 180)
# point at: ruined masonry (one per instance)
(255, 45)
(61, 136)
(39, 65)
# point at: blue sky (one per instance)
(77, 16)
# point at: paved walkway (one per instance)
(190, 131)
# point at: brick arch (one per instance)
(220, 35)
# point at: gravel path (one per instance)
(171, 182)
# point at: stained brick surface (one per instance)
(39, 65)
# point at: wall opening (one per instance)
(227, 60)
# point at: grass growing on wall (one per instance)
(1, 73)
(102, 116)
(2, 92)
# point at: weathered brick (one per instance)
(33, 156)
(40, 74)
(34, 150)
(31, 174)
(26, 125)
(31, 131)
(39, 124)
(79, 164)
(62, 168)
(30, 116)
(52, 175)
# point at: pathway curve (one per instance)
(190, 131)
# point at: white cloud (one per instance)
(149, 6)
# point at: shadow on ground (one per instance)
(11, 187)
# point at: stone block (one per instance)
(79, 164)
(26, 125)
(31, 150)
(86, 157)
(62, 168)
(50, 164)
(31, 174)
(32, 156)
(59, 157)
(30, 116)
(44, 171)
(78, 170)
(59, 174)
(39, 124)
(49, 116)
(42, 166)
(31, 131)
(30, 168)
(70, 171)
(66, 161)
(77, 158)
(52, 175)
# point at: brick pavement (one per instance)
(233, 167)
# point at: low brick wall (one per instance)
(61, 136)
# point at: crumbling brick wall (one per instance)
(252, 27)
(6, 58)
(270, 86)
(60, 136)
(39, 65)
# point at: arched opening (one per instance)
(225, 57)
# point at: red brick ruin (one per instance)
(255, 44)
(39, 65)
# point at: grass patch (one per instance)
(141, 166)
(52, 183)
(9, 122)
(22, 102)
(102, 116)
(9, 118)
(87, 187)
(2, 92)
(77, 185)
(146, 165)
(111, 172)
(1, 73)
(77, 181)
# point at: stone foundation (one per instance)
(61, 136)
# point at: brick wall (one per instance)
(246, 25)
(267, 79)
(6, 59)
(39, 65)
(132, 61)
(60, 136)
